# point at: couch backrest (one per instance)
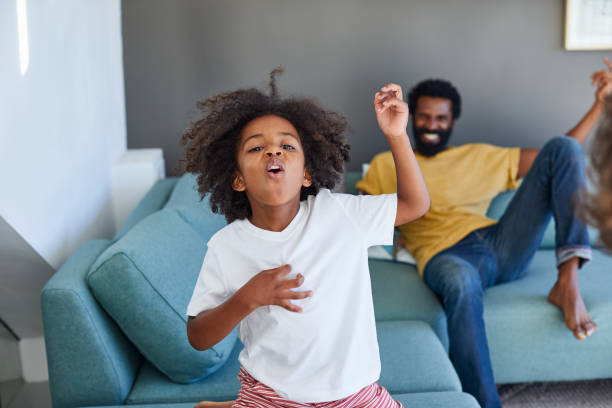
(186, 201)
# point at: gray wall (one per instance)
(519, 85)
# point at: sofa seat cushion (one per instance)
(528, 339)
(446, 399)
(152, 387)
(437, 400)
(413, 360)
(400, 294)
(144, 281)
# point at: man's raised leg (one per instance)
(551, 186)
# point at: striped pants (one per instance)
(254, 394)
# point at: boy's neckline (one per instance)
(277, 235)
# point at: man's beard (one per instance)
(430, 149)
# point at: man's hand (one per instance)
(271, 287)
(603, 80)
(391, 111)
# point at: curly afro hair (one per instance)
(436, 88)
(211, 143)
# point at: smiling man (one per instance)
(436, 105)
(459, 251)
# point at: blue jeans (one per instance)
(502, 252)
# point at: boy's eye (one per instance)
(288, 147)
(256, 149)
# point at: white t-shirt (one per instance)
(330, 350)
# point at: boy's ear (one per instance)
(307, 179)
(238, 182)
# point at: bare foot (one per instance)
(566, 295)
(214, 404)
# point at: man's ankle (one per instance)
(568, 270)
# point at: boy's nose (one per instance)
(270, 154)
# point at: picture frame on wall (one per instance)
(588, 25)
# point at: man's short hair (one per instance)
(436, 88)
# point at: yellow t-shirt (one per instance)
(461, 181)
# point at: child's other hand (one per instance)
(391, 111)
(271, 287)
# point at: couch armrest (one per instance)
(89, 359)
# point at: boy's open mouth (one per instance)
(275, 166)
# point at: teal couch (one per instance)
(114, 319)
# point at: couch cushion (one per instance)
(186, 200)
(152, 387)
(400, 294)
(528, 339)
(185, 192)
(412, 358)
(419, 399)
(144, 281)
(437, 400)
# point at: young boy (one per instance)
(291, 266)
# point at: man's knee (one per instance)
(456, 278)
(564, 147)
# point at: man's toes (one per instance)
(589, 327)
(579, 334)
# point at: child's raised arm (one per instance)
(392, 116)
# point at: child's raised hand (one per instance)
(391, 111)
(271, 287)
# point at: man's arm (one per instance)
(603, 80)
(392, 116)
(526, 159)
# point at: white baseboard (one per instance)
(10, 366)
(33, 359)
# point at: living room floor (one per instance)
(592, 394)
(589, 394)
(17, 394)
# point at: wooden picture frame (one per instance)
(588, 25)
